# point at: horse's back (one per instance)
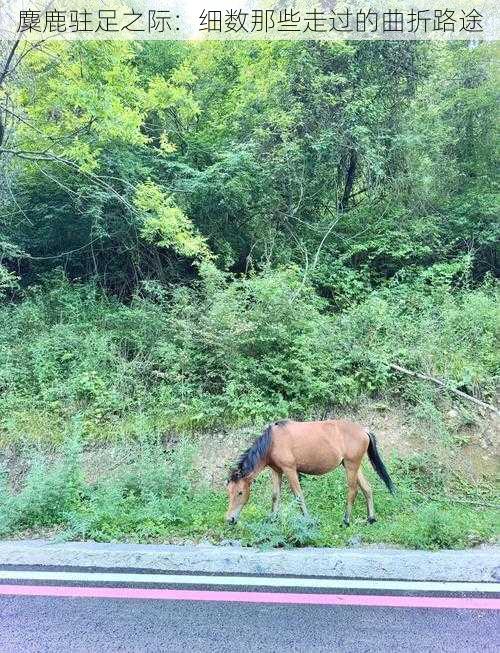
(333, 428)
(316, 447)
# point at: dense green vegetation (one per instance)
(213, 235)
(229, 353)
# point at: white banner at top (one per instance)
(246, 20)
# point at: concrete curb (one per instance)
(475, 565)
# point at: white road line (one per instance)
(249, 581)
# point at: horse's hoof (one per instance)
(346, 522)
(371, 520)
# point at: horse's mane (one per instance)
(250, 458)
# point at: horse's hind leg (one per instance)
(366, 489)
(351, 471)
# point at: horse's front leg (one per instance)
(277, 476)
(293, 479)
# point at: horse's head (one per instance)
(238, 490)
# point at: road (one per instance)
(67, 609)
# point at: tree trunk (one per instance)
(349, 182)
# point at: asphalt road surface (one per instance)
(102, 610)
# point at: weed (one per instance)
(157, 496)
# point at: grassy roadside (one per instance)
(152, 495)
(111, 413)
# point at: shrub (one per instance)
(51, 492)
(287, 529)
(230, 351)
(147, 497)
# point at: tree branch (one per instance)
(48, 156)
(8, 61)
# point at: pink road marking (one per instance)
(252, 597)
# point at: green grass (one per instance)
(158, 497)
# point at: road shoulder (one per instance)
(474, 565)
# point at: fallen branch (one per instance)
(448, 499)
(442, 384)
(160, 375)
(471, 503)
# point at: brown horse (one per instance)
(291, 448)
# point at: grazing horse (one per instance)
(292, 448)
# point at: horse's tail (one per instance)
(377, 463)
